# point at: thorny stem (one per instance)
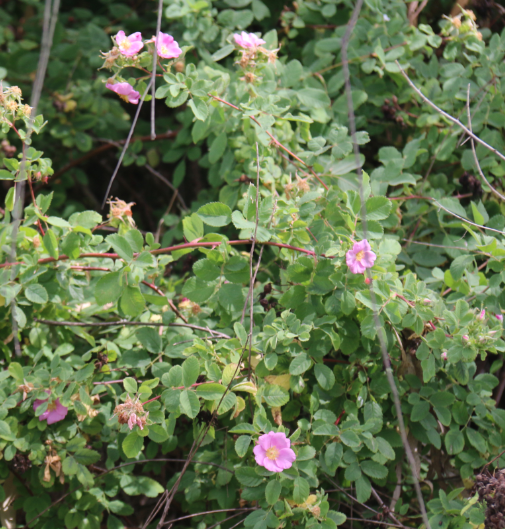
(169, 249)
(170, 302)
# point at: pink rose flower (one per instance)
(167, 47)
(55, 411)
(444, 355)
(499, 317)
(248, 40)
(125, 91)
(129, 46)
(360, 257)
(273, 452)
(466, 337)
(482, 315)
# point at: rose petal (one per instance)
(286, 458)
(259, 455)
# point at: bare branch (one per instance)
(127, 142)
(448, 116)
(131, 324)
(496, 192)
(380, 330)
(153, 76)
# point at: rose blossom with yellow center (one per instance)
(360, 255)
(273, 453)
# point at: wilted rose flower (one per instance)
(132, 413)
(360, 257)
(248, 40)
(167, 47)
(273, 452)
(125, 91)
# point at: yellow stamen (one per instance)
(126, 44)
(273, 453)
(124, 97)
(164, 50)
(51, 406)
(360, 255)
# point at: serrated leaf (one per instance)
(247, 476)
(36, 293)
(132, 301)
(275, 396)
(157, 433)
(301, 490)
(324, 376)
(108, 288)
(150, 339)
(190, 371)
(190, 405)
(215, 214)
(50, 243)
(243, 428)
(199, 108)
(85, 456)
(242, 444)
(193, 227)
(374, 469)
(130, 385)
(212, 391)
(378, 208)
(121, 246)
(300, 364)
(273, 491)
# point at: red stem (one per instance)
(169, 249)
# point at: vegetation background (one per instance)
(213, 292)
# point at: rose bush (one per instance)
(226, 361)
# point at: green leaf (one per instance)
(199, 108)
(420, 411)
(150, 339)
(212, 391)
(157, 433)
(363, 488)
(6, 175)
(442, 399)
(85, 456)
(373, 469)
(247, 476)
(215, 214)
(51, 243)
(135, 240)
(140, 485)
(454, 441)
(223, 52)
(243, 428)
(173, 379)
(242, 444)
(5, 432)
(273, 491)
(300, 364)
(324, 376)
(313, 98)
(306, 453)
(378, 208)
(16, 372)
(197, 290)
(132, 444)
(190, 405)
(206, 270)
(36, 293)
(350, 439)
(216, 150)
(121, 246)
(228, 402)
(108, 288)
(190, 371)
(130, 385)
(193, 227)
(132, 301)
(275, 396)
(301, 490)
(476, 440)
